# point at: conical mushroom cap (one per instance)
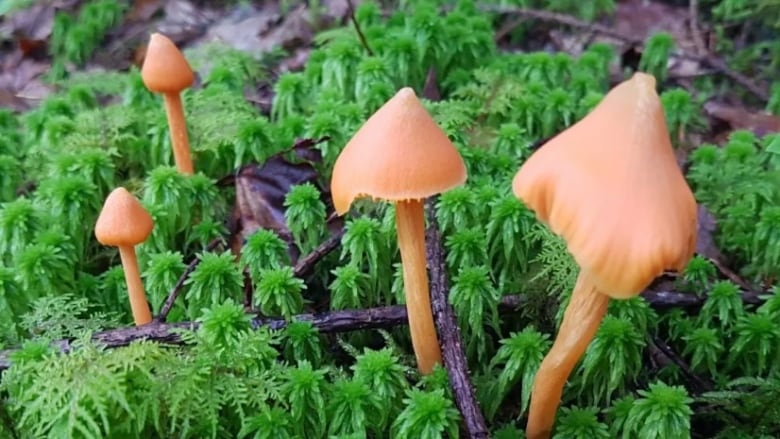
(398, 154)
(165, 70)
(123, 220)
(611, 187)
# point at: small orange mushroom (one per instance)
(166, 71)
(124, 223)
(401, 155)
(611, 187)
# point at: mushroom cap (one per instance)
(165, 70)
(399, 154)
(611, 187)
(123, 220)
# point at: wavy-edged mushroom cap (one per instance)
(123, 220)
(611, 187)
(399, 153)
(165, 70)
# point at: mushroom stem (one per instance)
(135, 289)
(178, 128)
(581, 320)
(410, 221)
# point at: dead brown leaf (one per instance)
(143, 10)
(261, 191)
(633, 22)
(740, 118)
(260, 29)
(707, 225)
(338, 9)
(21, 86)
(21, 65)
(184, 22)
(33, 23)
(642, 18)
(705, 246)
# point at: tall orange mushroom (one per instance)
(611, 187)
(401, 155)
(166, 71)
(124, 223)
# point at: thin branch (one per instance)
(525, 13)
(176, 290)
(449, 334)
(307, 263)
(343, 321)
(698, 384)
(706, 60)
(698, 40)
(726, 271)
(168, 333)
(431, 88)
(301, 269)
(361, 36)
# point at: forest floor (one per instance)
(285, 35)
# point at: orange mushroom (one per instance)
(611, 187)
(166, 71)
(124, 223)
(401, 155)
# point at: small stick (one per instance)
(449, 335)
(361, 36)
(307, 263)
(698, 40)
(248, 289)
(176, 290)
(707, 60)
(302, 268)
(701, 384)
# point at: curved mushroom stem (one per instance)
(178, 127)
(135, 288)
(410, 221)
(581, 320)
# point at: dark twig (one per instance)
(734, 277)
(698, 40)
(302, 268)
(449, 335)
(344, 321)
(176, 290)
(721, 66)
(248, 289)
(699, 384)
(431, 88)
(661, 300)
(526, 13)
(706, 59)
(168, 333)
(361, 36)
(307, 263)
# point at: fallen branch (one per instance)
(707, 60)
(361, 36)
(661, 300)
(698, 40)
(307, 263)
(168, 333)
(342, 321)
(449, 335)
